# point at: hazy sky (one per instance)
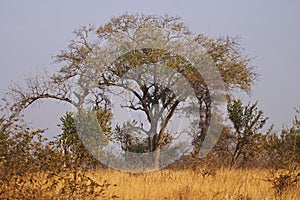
(31, 32)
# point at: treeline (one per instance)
(243, 144)
(64, 161)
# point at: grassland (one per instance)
(237, 184)
(195, 184)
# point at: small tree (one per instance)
(69, 141)
(74, 153)
(245, 138)
(291, 141)
(284, 150)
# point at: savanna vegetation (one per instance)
(246, 162)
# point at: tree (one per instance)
(69, 143)
(246, 136)
(32, 168)
(146, 56)
(283, 150)
(20, 150)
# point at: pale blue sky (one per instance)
(31, 32)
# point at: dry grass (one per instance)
(193, 184)
(180, 184)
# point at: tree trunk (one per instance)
(157, 158)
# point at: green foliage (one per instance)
(33, 168)
(83, 133)
(247, 122)
(130, 142)
(284, 150)
(104, 117)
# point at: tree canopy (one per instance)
(155, 65)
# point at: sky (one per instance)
(32, 32)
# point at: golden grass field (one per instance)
(191, 184)
(219, 184)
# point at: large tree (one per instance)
(151, 64)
